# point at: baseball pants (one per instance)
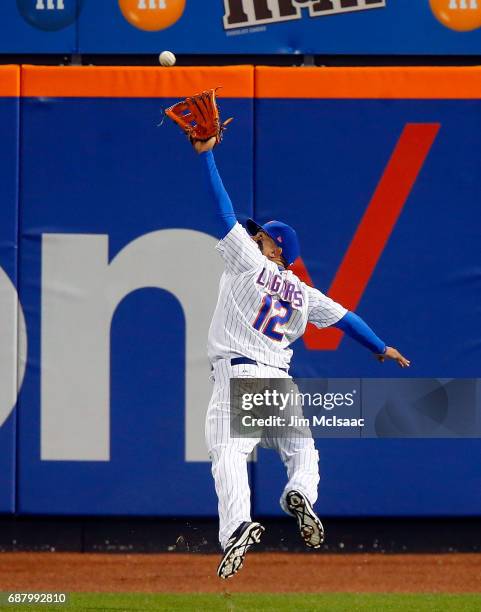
(229, 455)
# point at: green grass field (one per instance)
(332, 602)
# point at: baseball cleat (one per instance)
(310, 526)
(239, 543)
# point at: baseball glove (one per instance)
(198, 117)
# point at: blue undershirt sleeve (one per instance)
(217, 191)
(360, 331)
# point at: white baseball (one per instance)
(167, 58)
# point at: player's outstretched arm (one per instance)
(216, 187)
(359, 330)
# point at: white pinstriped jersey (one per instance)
(261, 309)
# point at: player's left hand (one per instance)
(202, 146)
(392, 353)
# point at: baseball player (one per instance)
(262, 308)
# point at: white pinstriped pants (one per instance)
(229, 455)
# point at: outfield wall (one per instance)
(108, 238)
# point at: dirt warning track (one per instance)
(263, 572)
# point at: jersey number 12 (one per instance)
(272, 315)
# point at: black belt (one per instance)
(245, 360)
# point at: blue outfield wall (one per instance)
(123, 177)
(118, 279)
(423, 296)
(9, 122)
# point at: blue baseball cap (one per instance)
(283, 235)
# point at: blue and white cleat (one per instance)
(239, 543)
(310, 526)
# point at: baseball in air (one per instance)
(167, 58)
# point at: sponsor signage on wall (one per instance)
(246, 13)
(242, 26)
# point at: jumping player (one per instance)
(262, 308)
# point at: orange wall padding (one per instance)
(135, 82)
(385, 82)
(9, 81)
